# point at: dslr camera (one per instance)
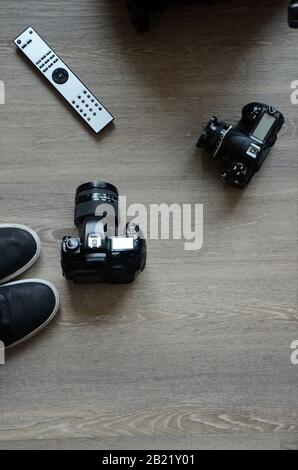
(293, 14)
(242, 149)
(99, 254)
(140, 11)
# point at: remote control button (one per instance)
(88, 96)
(54, 61)
(49, 52)
(92, 101)
(60, 76)
(30, 32)
(84, 92)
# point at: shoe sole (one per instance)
(35, 257)
(54, 312)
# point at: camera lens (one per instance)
(90, 196)
(213, 135)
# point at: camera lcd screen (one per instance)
(264, 126)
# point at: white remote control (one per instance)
(63, 79)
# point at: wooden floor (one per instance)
(195, 353)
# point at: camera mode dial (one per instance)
(72, 244)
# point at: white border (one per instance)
(41, 327)
(35, 257)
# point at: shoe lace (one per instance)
(5, 314)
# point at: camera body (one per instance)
(243, 149)
(99, 254)
(141, 10)
(293, 14)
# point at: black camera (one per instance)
(293, 14)
(242, 149)
(100, 254)
(141, 10)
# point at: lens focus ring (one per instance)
(90, 196)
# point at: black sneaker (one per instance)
(26, 307)
(19, 249)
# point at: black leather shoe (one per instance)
(19, 249)
(26, 307)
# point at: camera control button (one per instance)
(72, 244)
(60, 76)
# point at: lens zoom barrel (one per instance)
(90, 196)
(213, 135)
